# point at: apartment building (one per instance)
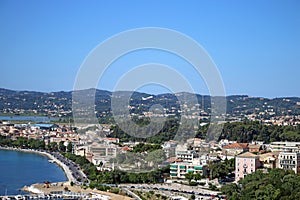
(289, 161)
(186, 156)
(180, 169)
(246, 163)
(285, 146)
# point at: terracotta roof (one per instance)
(236, 146)
(111, 138)
(270, 154)
(254, 146)
(247, 155)
(174, 159)
(126, 148)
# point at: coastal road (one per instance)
(78, 175)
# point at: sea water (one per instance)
(18, 169)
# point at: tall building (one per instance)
(289, 161)
(246, 163)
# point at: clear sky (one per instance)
(255, 44)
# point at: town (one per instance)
(196, 162)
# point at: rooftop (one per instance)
(236, 146)
(247, 155)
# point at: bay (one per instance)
(18, 169)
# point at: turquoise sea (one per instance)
(18, 169)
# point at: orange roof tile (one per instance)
(236, 146)
(247, 155)
(174, 159)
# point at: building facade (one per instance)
(285, 146)
(186, 156)
(179, 170)
(246, 163)
(235, 149)
(289, 161)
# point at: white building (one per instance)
(285, 146)
(289, 161)
(180, 169)
(186, 156)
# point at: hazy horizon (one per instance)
(227, 95)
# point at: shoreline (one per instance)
(64, 167)
(39, 190)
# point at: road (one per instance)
(175, 189)
(74, 168)
(131, 193)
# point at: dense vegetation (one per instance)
(98, 178)
(245, 131)
(167, 133)
(22, 143)
(222, 169)
(275, 185)
(248, 131)
(25, 143)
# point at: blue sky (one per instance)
(255, 44)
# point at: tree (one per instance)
(61, 146)
(197, 176)
(193, 197)
(222, 169)
(189, 176)
(69, 147)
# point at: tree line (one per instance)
(22, 142)
(274, 185)
(248, 131)
(243, 132)
(25, 143)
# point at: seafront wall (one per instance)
(64, 167)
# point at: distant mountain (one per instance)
(60, 103)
